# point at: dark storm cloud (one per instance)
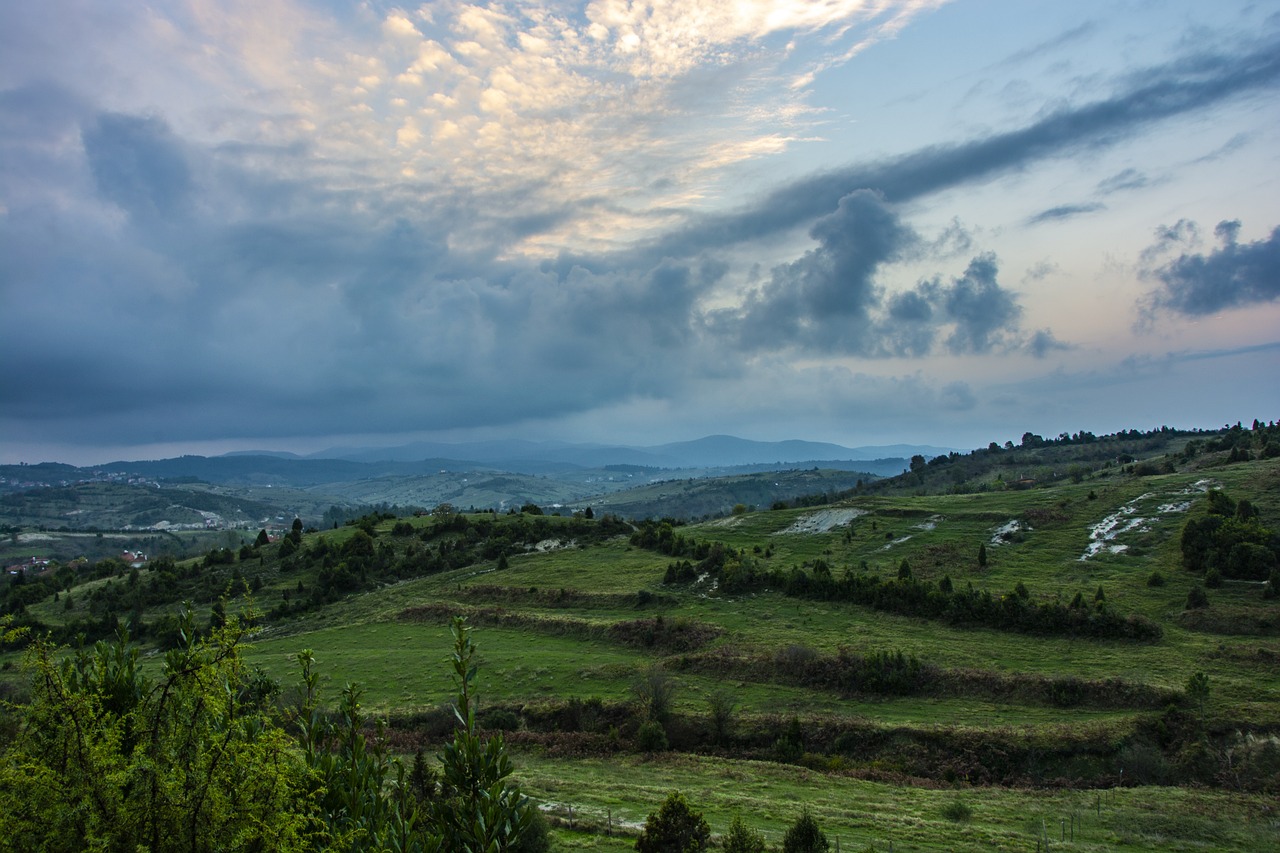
(1064, 211)
(138, 165)
(1233, 275)
(1043, 342)
(828, 301)
(824, 299)
(980, 308)
(236, 301)
(1143, 98)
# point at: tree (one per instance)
(804, 836)
(982, 555)
(263, 539)
(655, 691)
(674, 828)
(741, 839)
(108, 758)
(722, 708)
(480, 809)
(1196, 598)
(1198, 691)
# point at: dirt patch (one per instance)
(823, 520)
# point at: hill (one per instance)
(963, 657)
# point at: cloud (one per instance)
(138, 165)
(824, 299)
(478, 215)
(980, 309)
(1152, 95)
(1064, 211)
(1233, 275)
(1125, 179)
(1044, 342)
(828, 301)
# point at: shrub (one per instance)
(652, 737)
(1155, 579)
(499, 719)
(1196, 598)
(674, 828)
(722, 707)
(957, 810)
(805, 836)
(655, 692)
(789, 747)
(741, 839)
(536, 837)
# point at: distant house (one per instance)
(135, 559)
(32, 566)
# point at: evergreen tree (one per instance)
(804, 836)
(674, 828)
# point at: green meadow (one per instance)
(1001, 738)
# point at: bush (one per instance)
(651, 737)
(655, 693)
(804, 836)
(722, 708)
(1155, 579)
(741, 839)
(674, 828)
(499, 719)
(957, 810)
(1196, 598)
(536, 837)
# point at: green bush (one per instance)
(805, 836)
(741, 839)
(674, 828)
(1197, 598)
(651, 737)
(957, 810)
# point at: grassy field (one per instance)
(866, 815)
(580, 619)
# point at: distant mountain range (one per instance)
(482, 474)
(715, 451)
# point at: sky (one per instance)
(265, 224)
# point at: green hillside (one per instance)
(992, 651)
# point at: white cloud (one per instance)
(565, 104)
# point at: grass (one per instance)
(557, 647)
(864, 814)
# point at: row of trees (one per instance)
(738, 572)
(677, 828)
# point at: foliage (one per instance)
(351, 776)
(651, 737)
(805, 836)
(655, 692)
(1198, 691)
(1228, 538)
(480, 808)
(721, 708)
(741, 839)
(905, 595)
(109, 759)
(674, 828)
